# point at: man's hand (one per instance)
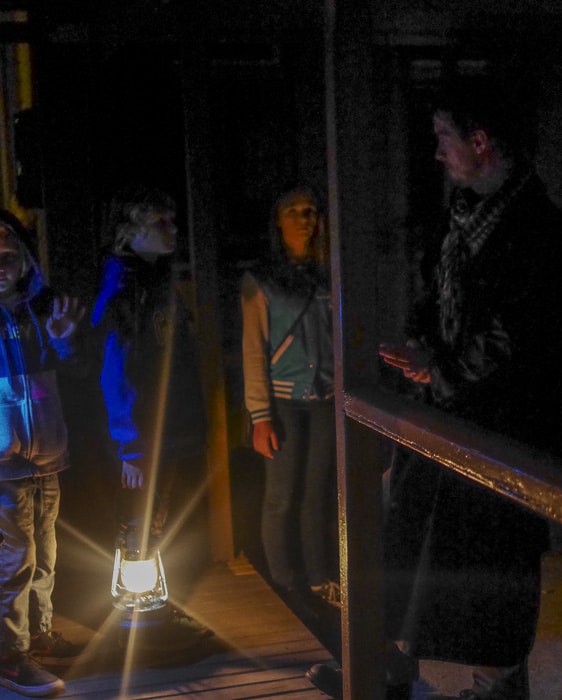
(265, 439)
(66, 315)
(410, 358)
(131, 476)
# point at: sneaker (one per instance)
(24, 675)
(52, 644)
(329, 592)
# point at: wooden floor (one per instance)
(260, 649)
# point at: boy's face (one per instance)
(157, 236)
(11, 262)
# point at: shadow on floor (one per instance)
(108, 652)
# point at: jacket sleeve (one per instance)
(111, 322)
(66, 355)
(496, 343)
(119, 395)
(479, 358)
(65, 348)
(255, 350)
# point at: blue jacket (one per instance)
(33, 437)
(149, 376)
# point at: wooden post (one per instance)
(203, 253)
(348, 59)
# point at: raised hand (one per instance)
(65, 317)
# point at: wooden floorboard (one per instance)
(260, 649)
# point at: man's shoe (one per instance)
(52, 644)
(514, 686)
(327, 679)
(328, 592)
(24, 675)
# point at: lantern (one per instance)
(138, 587)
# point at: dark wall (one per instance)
(138, 126)
(64, 104)
(111, 116)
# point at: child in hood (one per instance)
(36, 335)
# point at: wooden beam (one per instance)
(523, 474)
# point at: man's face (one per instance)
(158, 234)
(11, 262)
(457, 154)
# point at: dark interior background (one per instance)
(234, 95)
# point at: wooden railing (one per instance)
(525, 475)
(372, 422)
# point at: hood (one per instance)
(31, 282)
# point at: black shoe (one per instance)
(52, 644)
(24, 675)
(515, 686)
(327, 679)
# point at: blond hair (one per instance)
(129, 213)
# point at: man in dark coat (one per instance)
(463, 563)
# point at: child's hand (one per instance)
(67, 314)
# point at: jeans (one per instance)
(296, 502)
(28, 511)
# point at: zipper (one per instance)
(25, 381)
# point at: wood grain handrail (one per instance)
(526, 475)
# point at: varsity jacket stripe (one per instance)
(305, 362)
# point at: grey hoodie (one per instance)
(33, 437)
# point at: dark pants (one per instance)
(179, 490)
(297, 493)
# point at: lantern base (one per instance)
(172, 633)
(142, 619)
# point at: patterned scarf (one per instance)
(469, 228)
